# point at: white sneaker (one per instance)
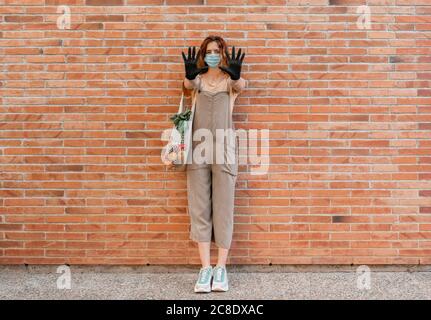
(220, 281)
(203, 284)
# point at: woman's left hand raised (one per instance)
(234, 64)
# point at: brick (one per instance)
(104, 2)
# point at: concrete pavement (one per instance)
(246, 282)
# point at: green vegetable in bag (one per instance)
(180, 121)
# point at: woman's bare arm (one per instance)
(192, 84)
(238, 85)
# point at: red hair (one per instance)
(203, 49)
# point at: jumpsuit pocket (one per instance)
(231, 168)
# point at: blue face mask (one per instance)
(212, 59)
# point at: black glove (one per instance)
(191, 66)
(233, 64)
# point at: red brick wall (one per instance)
(348, 109)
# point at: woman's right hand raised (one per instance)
(191, 64)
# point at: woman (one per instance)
(216, 77)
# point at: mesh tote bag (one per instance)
(177, 152)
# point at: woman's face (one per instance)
(213, 47)
(212, 55)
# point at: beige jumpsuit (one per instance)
(211, 185)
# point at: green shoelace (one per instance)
(219, 274)
(204, 274)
